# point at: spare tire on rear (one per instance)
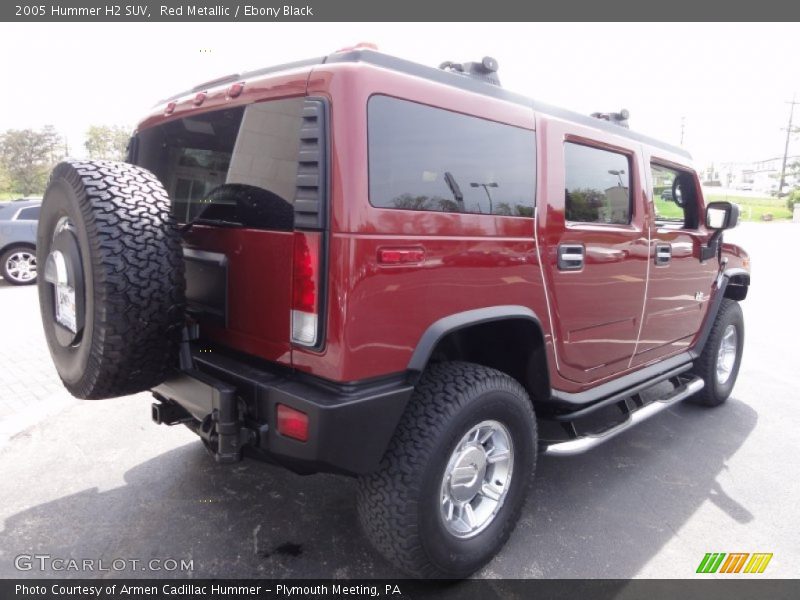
(111, 282)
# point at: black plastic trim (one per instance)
(350, 425)
(219, 269)
(716, 302)
(737, 272)
(439, 329)
(312, 187)
(614, 398)
(623, 384)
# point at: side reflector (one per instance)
(292, 423)
(398, 256)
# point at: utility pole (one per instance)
(786, 146)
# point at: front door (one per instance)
(680, 284)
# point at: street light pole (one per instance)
(618, 174)
(486, 187)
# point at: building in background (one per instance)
(760, 176)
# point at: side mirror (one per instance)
(719, 216)
(722, 215)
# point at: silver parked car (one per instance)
(18, 222)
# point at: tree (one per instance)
(27, 156)
(107, 142)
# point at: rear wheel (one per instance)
(721, 358)
(18, 265)
(455, 477)
(111, 286)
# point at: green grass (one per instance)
(753, 209)
(666, 209)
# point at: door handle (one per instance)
(663, 253)
(570, 257)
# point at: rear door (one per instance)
(595, 242)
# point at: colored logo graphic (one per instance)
(736, 562)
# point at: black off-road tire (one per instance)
(132, 302)
(399, 504)
(715, 393)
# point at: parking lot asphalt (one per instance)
(100, 481)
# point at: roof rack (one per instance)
(618, 118)
(473, 77)
(486, 70)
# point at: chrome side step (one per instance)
(589, 441)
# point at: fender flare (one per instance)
(716, 301)
(446, 325)
(736, 272)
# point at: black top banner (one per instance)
(404, 10)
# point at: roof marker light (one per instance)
(236, 89)
(359, 46)
(199, 98)
(170, 108)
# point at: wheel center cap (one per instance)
(467, 474)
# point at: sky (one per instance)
(728, 84)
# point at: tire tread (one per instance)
(138, 273)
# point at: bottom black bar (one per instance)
(730, 588)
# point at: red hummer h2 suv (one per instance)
(361, 265)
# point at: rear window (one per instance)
(233, 167)
(424, 158)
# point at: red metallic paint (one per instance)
(259, 288)
(376, 313)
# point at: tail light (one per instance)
(305, 288)
(292, 423)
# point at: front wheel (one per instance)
(455, 477)
(721, 358)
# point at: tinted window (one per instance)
(236, 166)
(424, 158)
(29, 214)
(674, 197)
(597, 185)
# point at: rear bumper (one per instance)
(232, 404)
